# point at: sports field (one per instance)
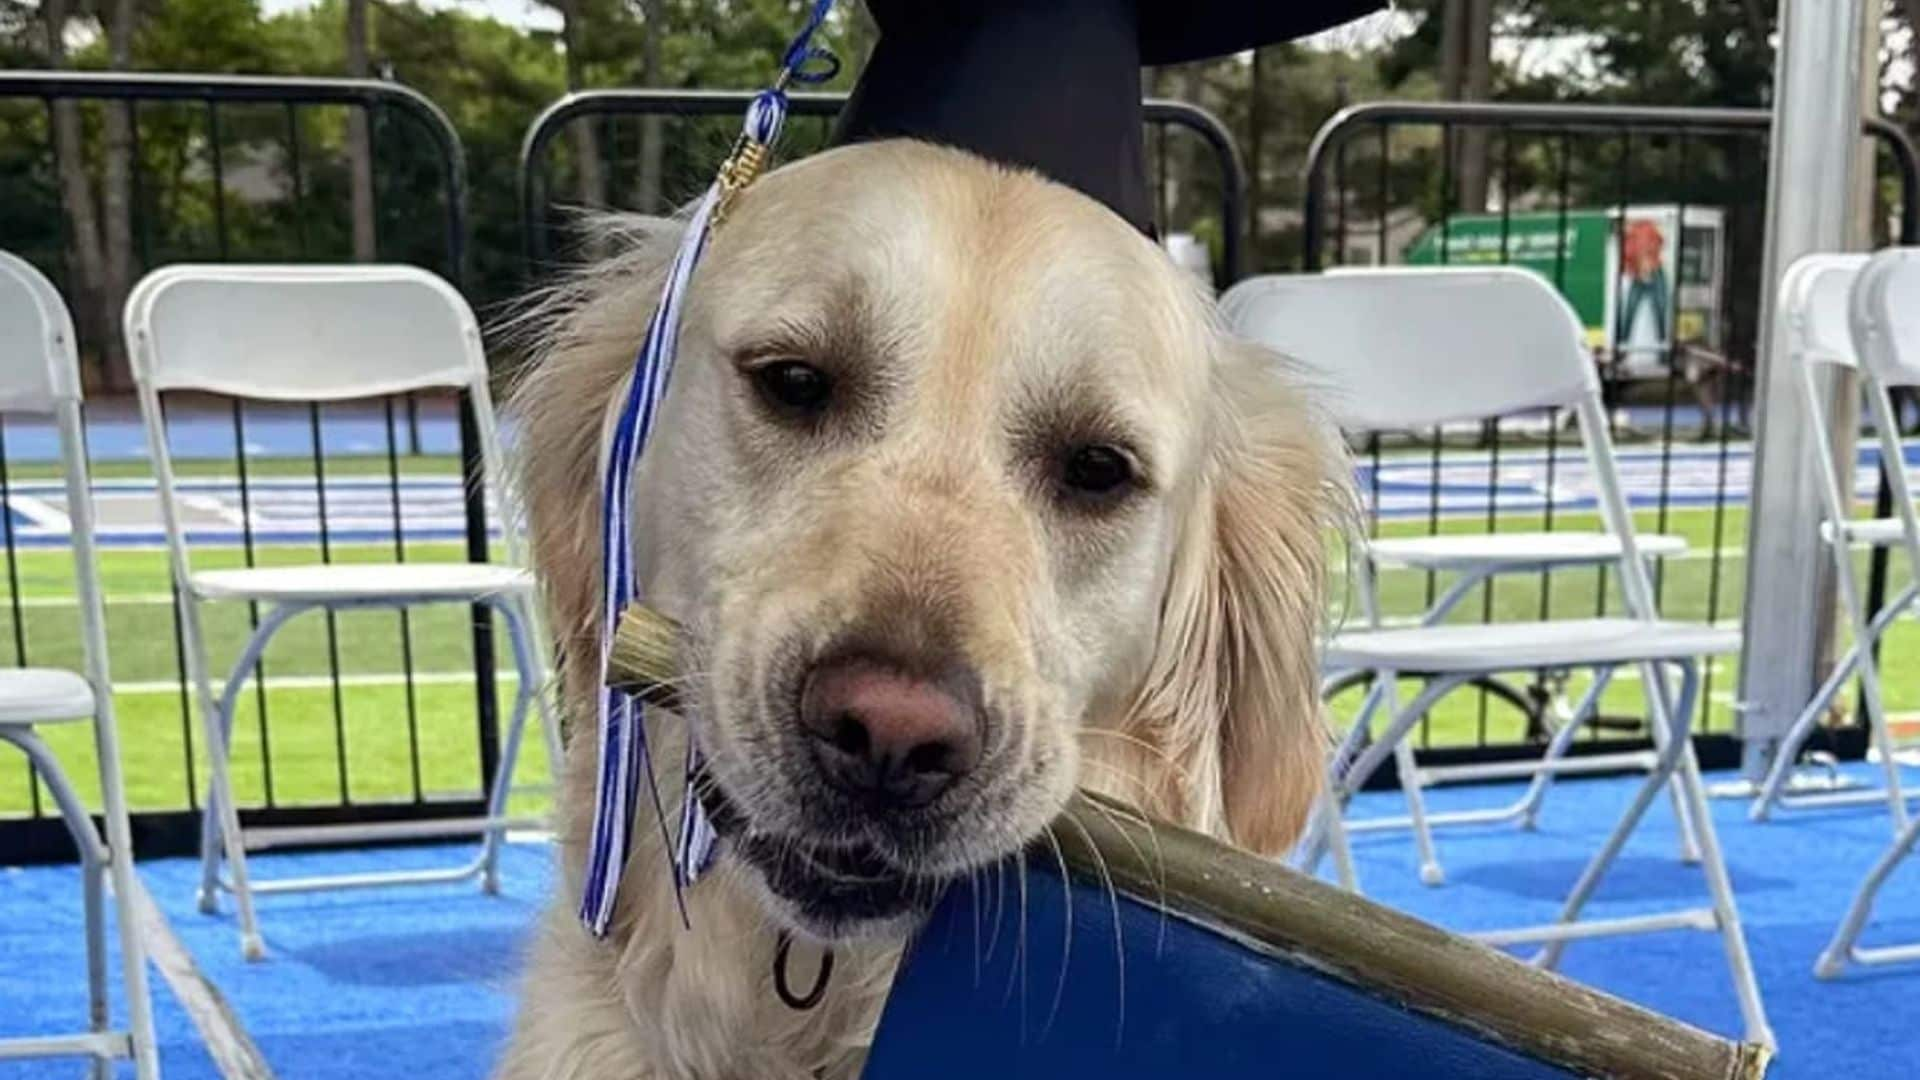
(297, 747)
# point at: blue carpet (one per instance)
(1792, 876)
(418, 983)
(413, 982)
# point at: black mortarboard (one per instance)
(1054, 84)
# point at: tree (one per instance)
(99, 231)
(1476, 85)
(116, 199)
(652, 134)
(360, 139)
(1466, 74)
(586, 143)
(1257, 120)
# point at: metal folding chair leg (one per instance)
(1845, 947)
(1529, 804)
(1525, 809)
(1325, 827)
(1669, 750)
(1683, 815)
(222, 837)
(1414, 780)
(527, 695)
(1676, 766)
(1733, 935)
(1349, 779)
(1858, 660)
(1430, 870)
(101, 1043)
(220, 832)
(93, 886)
(1343, 867)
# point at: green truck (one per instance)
(1616, 267)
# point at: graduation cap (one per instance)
(1054, 85)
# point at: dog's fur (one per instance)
(976, 320)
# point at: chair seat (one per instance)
(43, 695)
(1524, 645)
(1472, 551)
(364, 581)
(1875, 532)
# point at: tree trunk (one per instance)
(1256, 161)
(586, 141)
(86, 285)
(116, 197)
(1476, 85)
(1191, 154)
(652, 130)
(1453, 50)
(360, 140)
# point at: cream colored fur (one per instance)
(1165, 656)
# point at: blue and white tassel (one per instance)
(621, 727)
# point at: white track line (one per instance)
(324, 682)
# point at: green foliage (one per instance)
(284, 173)
(286, 182)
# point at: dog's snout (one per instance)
(880, 733)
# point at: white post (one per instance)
(1809, 188)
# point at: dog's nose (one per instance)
(880, 733)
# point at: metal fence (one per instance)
(245, 168)
(616, 126)
(249, 168)
(1385, 183)
(354, 720)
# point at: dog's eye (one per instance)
(793, 388)
(1097, 471)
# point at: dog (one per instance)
(964, 501)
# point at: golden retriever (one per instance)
(963, 501)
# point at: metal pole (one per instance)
(1809, 188)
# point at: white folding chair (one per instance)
(1884, 313)
(1259, 309)
(1814, 300)
(39, 373)
(1521, 349)
(324, 333)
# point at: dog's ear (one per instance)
(1232, 696)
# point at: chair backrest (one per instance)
(1419, 347)
(309, 333)
(302, 333)
(40, 373)
(1815, 294)
(42, 367)
(1885, 315)
(1885, 310)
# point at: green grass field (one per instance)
(300, 728)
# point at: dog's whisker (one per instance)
(1156, 865)
(973, 888)
(1066, 940)
(1017, 970)
(1113, 900)
(999, 892)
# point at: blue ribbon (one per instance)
(621, 726)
